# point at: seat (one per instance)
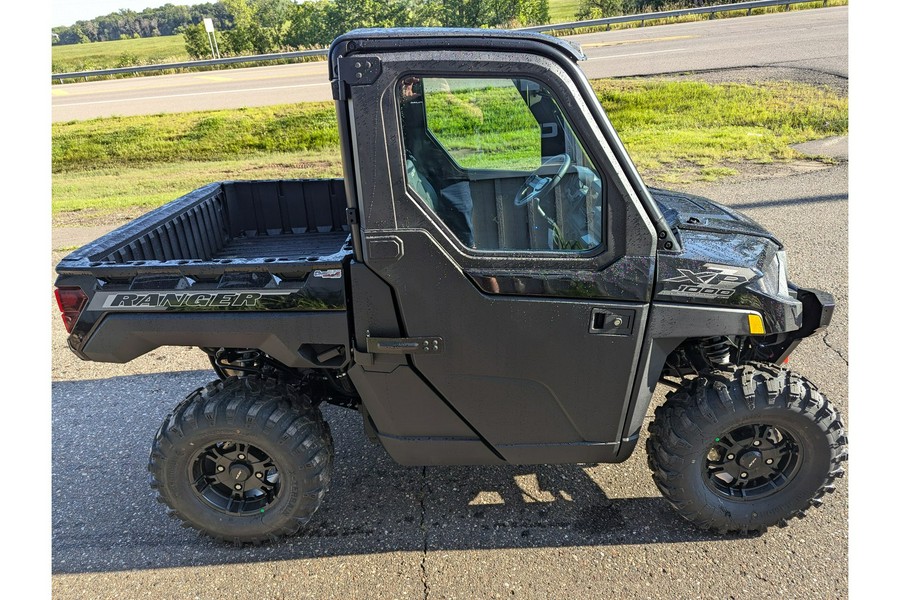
(453, 205)
(419, 184)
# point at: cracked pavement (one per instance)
(836, 350)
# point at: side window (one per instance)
(496, 161)
(483, 124)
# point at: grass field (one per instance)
(194, 136)
(110, 191)
(563, 11)
(674, 131)
(118, 53)
(688, 131)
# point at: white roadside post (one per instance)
(211, 37)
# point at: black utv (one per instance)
(491, 282)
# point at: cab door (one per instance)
(519, 261)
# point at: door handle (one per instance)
(605, 321)
(409, 345)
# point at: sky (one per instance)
(66, 12)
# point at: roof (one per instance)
(442, 38)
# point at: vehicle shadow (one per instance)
(105, 516)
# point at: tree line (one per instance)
(261, 26)
(168, 19)
(264, 26)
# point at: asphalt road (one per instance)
(388, 531)
(809, 39)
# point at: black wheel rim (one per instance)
(752, 461)
(236, 478)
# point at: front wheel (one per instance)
(243, 460)
(741, 451)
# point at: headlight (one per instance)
(781, 257)
(774, 281)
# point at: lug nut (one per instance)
(259, 475)
(238, 486)
(220, 468)
(756, 442)
(743, 475)
(241, 457)
(730, 457)
(769, 461)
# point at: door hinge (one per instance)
(359, 70)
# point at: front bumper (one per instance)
(818, 308)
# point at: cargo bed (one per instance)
(234, 264)
(233, 224)
(282, 246)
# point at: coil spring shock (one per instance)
(716, 350)
(243, 361)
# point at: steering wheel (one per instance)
(536, 186)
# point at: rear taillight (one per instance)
(71, 301)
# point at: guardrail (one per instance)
(191, 64)
(748, 6)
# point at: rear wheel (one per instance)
(243, 460)
(744, 450)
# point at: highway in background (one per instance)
(808, 39)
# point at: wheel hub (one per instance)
(752, 461)
(239, 471)
(235, 478)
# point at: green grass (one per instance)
(486, 128)
(685, 131)
(81, 196)
(194, 136)
(118, 53)
(563, 11)
(674, 131)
